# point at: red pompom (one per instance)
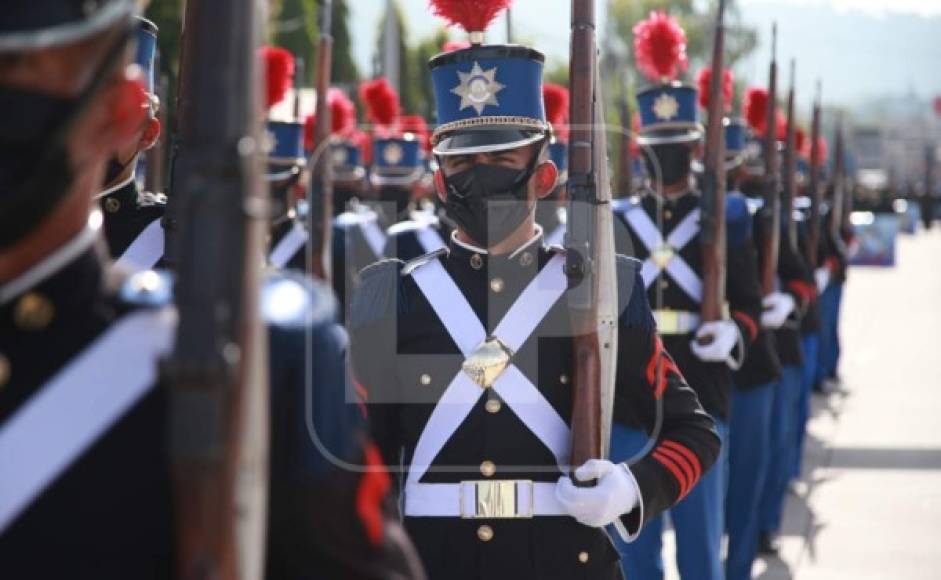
(381, 102)
(452, 45)
(342, 112)
(416, 125)
(756, 109)
(309, 123)
(279, 73)
(704, 80)
(801, 142)
(822, 146)
(556, 98)
(362, 140)
(471, 15)
(660, 47)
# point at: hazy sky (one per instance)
(861, 48)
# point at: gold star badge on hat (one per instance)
(665, 107)
(478, 88)
(392, 154)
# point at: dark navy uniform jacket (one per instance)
(711, 381)
(404, 358)
(109, 515)
(127, 212)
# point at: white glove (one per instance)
(822, 276)
(614, 495)
(777, 307)
(724, 335)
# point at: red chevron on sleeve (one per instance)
(673, 468)
(804, 290)
(658, 367)
(686, 459)
(748, 322)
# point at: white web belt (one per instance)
(488, 498)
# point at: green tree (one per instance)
(343, 70)
(295, 27)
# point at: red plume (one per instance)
(556, 98)
(416, 124)
(660, 47)
(704, 80)
(822, 146)
(279, 73)
(342, 112)
(801, 143)
(471, 15)
(380, 100)
(756, 109)
(342, 117)
(452, 45)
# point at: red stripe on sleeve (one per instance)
(686, 453)
(688, 471)
(676, 471)
(803, 289)
(748, 322)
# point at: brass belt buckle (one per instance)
(668, 321)
(663, 255)
(487, 362)
(498, 499)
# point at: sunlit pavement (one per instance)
(869, 503)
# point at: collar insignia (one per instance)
(478, 88)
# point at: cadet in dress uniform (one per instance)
(481, 425)
(86, 488)
(781, 316)
(661, 227)
(133, 219)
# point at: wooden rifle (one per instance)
(770, 213)
(625, 163)
(320, 195)
(217, 372)
(839, 183)
(589, 242)
(813, 188)
(712, 230)
(790, 169)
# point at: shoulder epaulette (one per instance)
(290, 299)
(632, 295)
(148, 288)
(378, 292)
(151, 199)
(420, 261)
(409, 226)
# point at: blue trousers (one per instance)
(810, 344)
(749, 440)
(782, 448)
(697, 520)
(829, 354)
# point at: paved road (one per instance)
(869, 506)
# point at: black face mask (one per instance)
(400, 196)
(670, 163)
(35, 169)
(342, 196)
(489, 202)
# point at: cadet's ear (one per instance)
(150, 134)
(440, 188)
(544, 178)
(127, 104)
